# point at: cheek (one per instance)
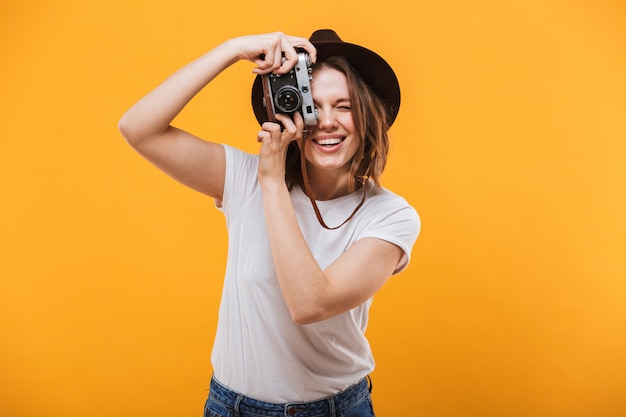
(348, 123)
(354, 146)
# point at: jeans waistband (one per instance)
(326, 406)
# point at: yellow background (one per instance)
(510, 143)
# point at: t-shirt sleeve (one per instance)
(240, 180)
(399, 225)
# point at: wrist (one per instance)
(272, 184)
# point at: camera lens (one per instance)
(288, 99)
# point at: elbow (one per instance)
(127, 130)
(311, 315)
(313, 305)
(134, 131)
(137, 133)
(302, 320)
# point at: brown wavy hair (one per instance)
(371, 122)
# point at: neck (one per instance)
(327, 185)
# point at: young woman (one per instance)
(312, 235)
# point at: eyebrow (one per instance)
(338, 101)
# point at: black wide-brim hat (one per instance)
(374, 70)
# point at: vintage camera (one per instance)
(290, 92)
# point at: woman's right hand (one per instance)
(267, 51)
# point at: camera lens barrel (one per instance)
(288, 99)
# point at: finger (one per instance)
(273, 53)
(270, 57)
(286, 121)
(260, 135)
(292, 128)
(279, 59)
(266, 62)
(261, 64)
(290, 56)
(298, 120)
(304, 43)
(272, 129)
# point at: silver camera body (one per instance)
(291, 92)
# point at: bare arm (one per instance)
(194, 162)
(313, 294)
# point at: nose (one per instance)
(326, 119)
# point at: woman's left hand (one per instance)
(274, 144)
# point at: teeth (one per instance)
(326, 142)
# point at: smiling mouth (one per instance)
(329, 142)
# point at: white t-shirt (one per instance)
(259, 350)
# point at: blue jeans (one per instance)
(352, 402)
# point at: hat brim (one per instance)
(374, 70)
